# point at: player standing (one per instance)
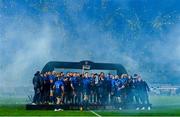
(59, 90)
(37, 88)
(52, 79)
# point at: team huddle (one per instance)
(86, 88)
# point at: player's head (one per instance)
(135, 75)
(92, 75)
(86, 74)
(122, 76)
(82, 75)
(61, 74)
(74, 74)
(45, 74)
(70, 74)
(49, 73)
(112, 76)
(109, 75)
(58, 74)
(139, 78)
(116, 77)
(67, 74)
(78, 74)
(65, 79)
(95, 75)
(53, 73)
(129, 77)
(41, 74)
(101, 74)
(37, 73)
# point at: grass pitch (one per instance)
(163, 106)
(19, 110)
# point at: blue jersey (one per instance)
(74, 81)
(46, 80)
(86, 83)
(124, 80)
(108, 78)
(92, 81)
(108, 83)
(61, 79)
(119, 83)
(58, 85)
(113, 83)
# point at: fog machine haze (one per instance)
(142, 35)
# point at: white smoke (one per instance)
(27, 44)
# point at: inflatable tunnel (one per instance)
(84, 65)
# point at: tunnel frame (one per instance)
(50, 66)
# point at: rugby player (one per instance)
(58, 90)
(52, 79)
(37, 88)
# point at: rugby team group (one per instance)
(90, 88)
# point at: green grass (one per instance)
(170, 111)
(163, 106)
(16, 110)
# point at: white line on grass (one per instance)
(95, 113)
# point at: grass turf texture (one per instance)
(16, 110)
(164, 106)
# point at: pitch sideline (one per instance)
(95, 113)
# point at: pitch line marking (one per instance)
(95, 113)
